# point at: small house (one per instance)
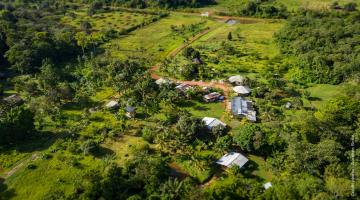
(214, 96)
(288, 105)
(183, 87)
(205, 14)
(112, 104)
(197, 61)
(130, 111)
(267, 185)
(242, 90)
(13, 100)
(231, 159)
(243, 108)
(237, 80)
(212, 122)
(163, 81)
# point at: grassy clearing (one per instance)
(115, 20)
(253, 43)
(124, 147)
(201, 109)
(260, 170)
(61, 172)
(321, 93)
(155, 41)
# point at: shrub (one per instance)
(31, 166)
(148, 135)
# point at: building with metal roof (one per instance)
(163, 81)
(212, 122)
(243, 108)
(242, 90)
(112, 104)
(214, 96)
(237, 80)
(233, 158)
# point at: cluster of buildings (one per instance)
(229, 159)
(129, 110)
(240, 105)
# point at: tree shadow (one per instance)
(41, 141)
(102, 152)
(5, 192)
(186, 104)
(249, 168)
(315, 99)
(201, 108)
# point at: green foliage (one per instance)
(250, 138)
(30, 39)
(16, 125)
(325, 43)
(264, 9)
(166, 3)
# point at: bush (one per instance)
(89, 147)
(31, 166)
(46, 156)
(148, 135)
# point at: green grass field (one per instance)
(155, 41)
(254, 42)
(321, 93)
(116, 20)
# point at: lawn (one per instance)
(156, 40)
(201, 109)
(321, 93)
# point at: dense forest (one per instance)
(326, 45)
(60, 76)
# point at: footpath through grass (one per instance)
(157, 40)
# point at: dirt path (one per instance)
(214, 84)
(33, 157)
(191, 40)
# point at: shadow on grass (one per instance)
(186, 104)
(5, 192)
(315, 99)
(41, 141)
(248, 170)
(103, 151)
(201, 108)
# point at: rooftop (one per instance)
(241, 106)
(212, 95)
(183, 87)
(236, 79)
(162, 81)
(233, 158)
(129, 109)
(242, 89)
(112, 104)
(267, 185)
(212, 122)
